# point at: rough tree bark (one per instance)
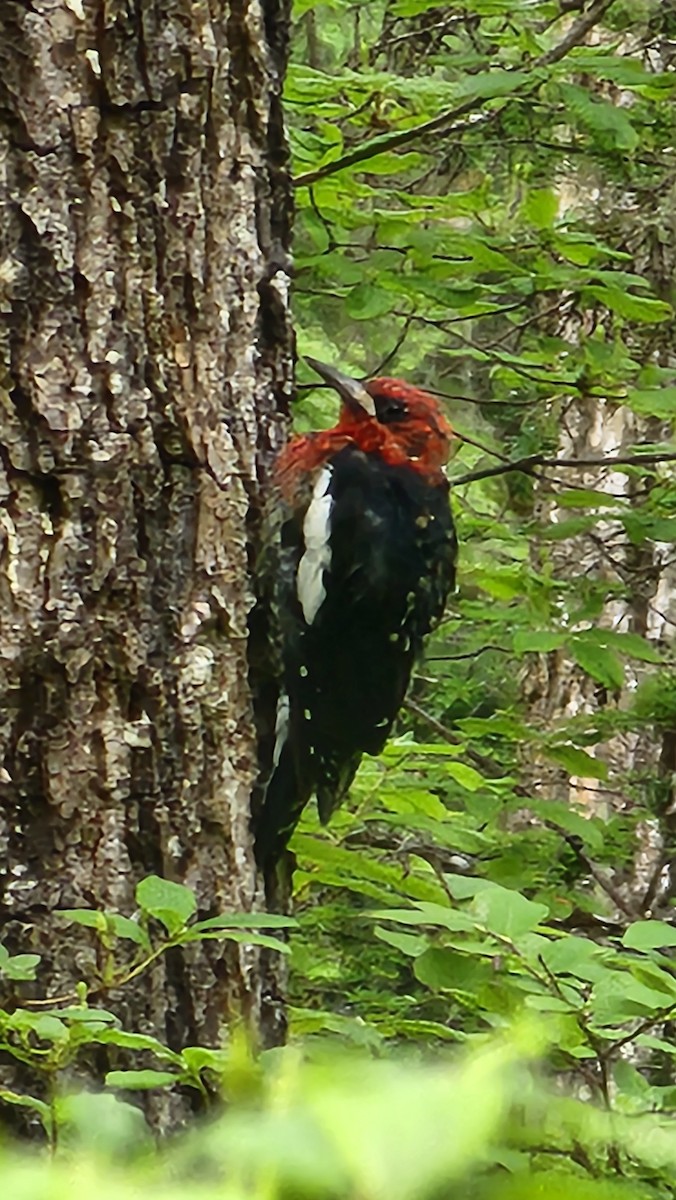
(144, 365)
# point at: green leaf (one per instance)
(577, 956)
(124, 927)
(91, 918)
(24, 1101)
(586, 498)
(558, 531)
(446, 969)
(409, 943)
(242, 939)
(45, 1026)
(653, 402)
(351, 1029)
(171, 903)
(366, 301)
(246, 921)
(581, 823)
(77, 1017)
(577, 761)
(453, 919)
(634, 308)
(466, 776)
(105, 923)
(649, 935)
(137, 1041)
(305, 84)
(599, 661)
(495, 83)
(537, 641)
(199, 1058)
(506, 913)
(634, 646)
(656, 1043)
(545, 1003)
(630, 1082)
(618, 998)
(541, 207)
(316, 230)
(640, 526)
(358, 870)
(137, 1081)
(652, 976)
(500, 584)
(427, 1030)
(20, 967)
(608, 121)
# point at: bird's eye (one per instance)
(390, 410)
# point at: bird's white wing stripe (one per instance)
(281, 727)
(317, 556)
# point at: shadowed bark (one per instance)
(144, 362)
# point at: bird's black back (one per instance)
(392, 560)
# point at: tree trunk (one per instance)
(640, 758)
(144, 361)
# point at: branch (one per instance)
(527, 465)
(468, 654)
(403, 137)
(576, 34)
(394, 141)
(481, 762)
(403, 334)
(621, 904)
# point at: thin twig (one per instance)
(526, 465)
(660, 1015)
(469, 654)
(480, 446)
(484, 764)
(401, 338)
(606, 884)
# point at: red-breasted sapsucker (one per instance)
(367, 558)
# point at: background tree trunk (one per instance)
(641, 582)
(145, 357)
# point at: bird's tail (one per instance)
(336, 782)
(298, 771)
(286, 794)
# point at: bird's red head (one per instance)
(395, 420)
(413, 420)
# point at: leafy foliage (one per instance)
(479, 192)
(346, 1126)
(50, 1036)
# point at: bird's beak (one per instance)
(351, 392)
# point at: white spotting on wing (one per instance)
(317, 556)
(281, 727)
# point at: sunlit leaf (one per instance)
(649, 935)
(142, 1080)
(599, 661)
(171, 903)
(507, 913)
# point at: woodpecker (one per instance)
(366, 559)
